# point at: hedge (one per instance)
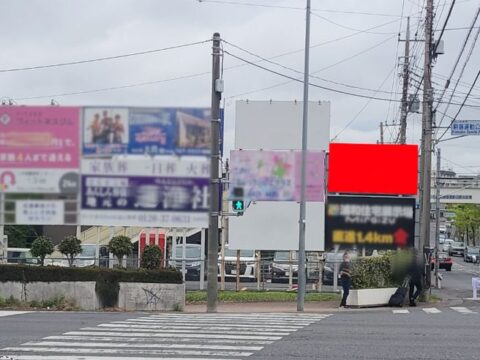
(25, 273)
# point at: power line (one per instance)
(363, 108)
(347, 27)
(301, 81)
(223, 2)
(102, 58)
(444, 25)
(112, 87)
(461, 107)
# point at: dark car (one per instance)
(192, 261)
(472, 254)
(284, 263)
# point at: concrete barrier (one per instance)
(132, 296)
(151, 296)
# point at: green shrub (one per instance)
(41, 247)
(151, 257)
(120, 246)
(388, 270)
(70, 246)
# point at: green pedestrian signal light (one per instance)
(238, 205)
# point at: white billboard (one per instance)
(40, 212)
(277, 125)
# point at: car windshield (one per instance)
(190, 252)
(284, 255)
(243, 253)
(88, 251)
(473, 250)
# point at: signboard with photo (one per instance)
(153, 131)
(39, 146)
(371, 222)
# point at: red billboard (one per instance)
(373, 169)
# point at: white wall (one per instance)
(277, 125)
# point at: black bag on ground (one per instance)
(398, 299)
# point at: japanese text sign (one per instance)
(39, 212)
(373, 222)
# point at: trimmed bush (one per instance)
(151, 257)
(120, 246)
(70, 246)
(41, 247)
(25, 273)
(384, 271)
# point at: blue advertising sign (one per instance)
(153, 131)
(466, 127)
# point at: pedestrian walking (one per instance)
(345, 277)
(415, 273)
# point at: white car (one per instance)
(447, 244)
(247, 264)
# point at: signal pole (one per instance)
(406, 69)
(302, 220)
(437, 215)
(212, 295)
(426, 134)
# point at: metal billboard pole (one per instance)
(302, 219)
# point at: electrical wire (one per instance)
(461, 107)
(347, 27)
(37, 67)
(444, 25)
(301, 81)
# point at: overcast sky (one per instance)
(39, 32)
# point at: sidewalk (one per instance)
(266, 307)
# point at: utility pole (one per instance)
(302, 221)
(437, 215)
(381, 132)
(406, 69)
(217, 88)
(427, 135)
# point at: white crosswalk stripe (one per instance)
(462, 310)
(168, 336)
(431, 310)
(401, 311)
(11, 313)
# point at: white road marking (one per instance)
(11, 313)
(166, 335)
(431, 310)
(462, 310)
(83, 357)
(124, 352)
(156, 340)
(204, 325)
(401, 311)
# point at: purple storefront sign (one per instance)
(144, 193)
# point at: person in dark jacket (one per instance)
(415, 272)
(345, 274)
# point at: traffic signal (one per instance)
(238, 205)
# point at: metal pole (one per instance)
(381, 132)
(427, 134)
(302, 220)
(437, 216)
(202, 262)
(237, 272)
(184, 254)
(404, 112)
(212, 286)
(4, 244)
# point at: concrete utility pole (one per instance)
(406, 69)
(381, 132)
(427, 133)
(437, 215)
(214, 178)
(302, 221)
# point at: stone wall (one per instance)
(132, 296)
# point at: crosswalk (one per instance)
(11, 313)
(168, 336)
(433, 310)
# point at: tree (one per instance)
(21, 236)
(120, 246)
(151, 257)
(70, 246)
(467, 221)
(41, 247)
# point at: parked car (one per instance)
(247, 264)
(472, 254)
(447, 243)
(444, 261)
(457, 248)
(192, 260)
(21, 256)
(441, 239)
(282, 265)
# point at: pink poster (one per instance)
(39, 137)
